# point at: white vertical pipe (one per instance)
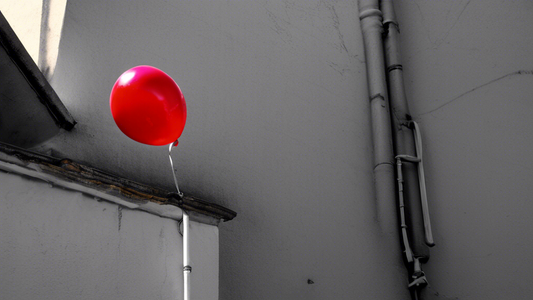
(384, 164)
(186, 265)
(185, 222)
(370, 17)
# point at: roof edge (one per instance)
(106, 186)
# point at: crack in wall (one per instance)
(519, 72)
(440, 41)
(436, 41)
(336, 25)
(119, 210)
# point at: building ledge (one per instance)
(105, 186)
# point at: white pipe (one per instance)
(422, 183)
(384, 177)
(186, 263)
(187, 269)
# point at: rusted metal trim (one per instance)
(131, 191)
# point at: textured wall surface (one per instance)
(278, 130)
(60, 244)
(469, 77)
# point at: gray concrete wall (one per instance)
(60, 244)
(278, 130)
(469, 79)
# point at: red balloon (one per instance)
(148, 106)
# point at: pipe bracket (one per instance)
(394, 67)
(418, 282)
(387, 22)
(370, 13)
(378, 95)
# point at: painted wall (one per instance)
(469, 79)
(60, 244)
(278, 130)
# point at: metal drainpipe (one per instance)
(409, 157)
(384, 175)
(187, 269)
(384, 178)
(409, 165)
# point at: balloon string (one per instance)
(170, 146)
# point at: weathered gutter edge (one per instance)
(104, 186)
